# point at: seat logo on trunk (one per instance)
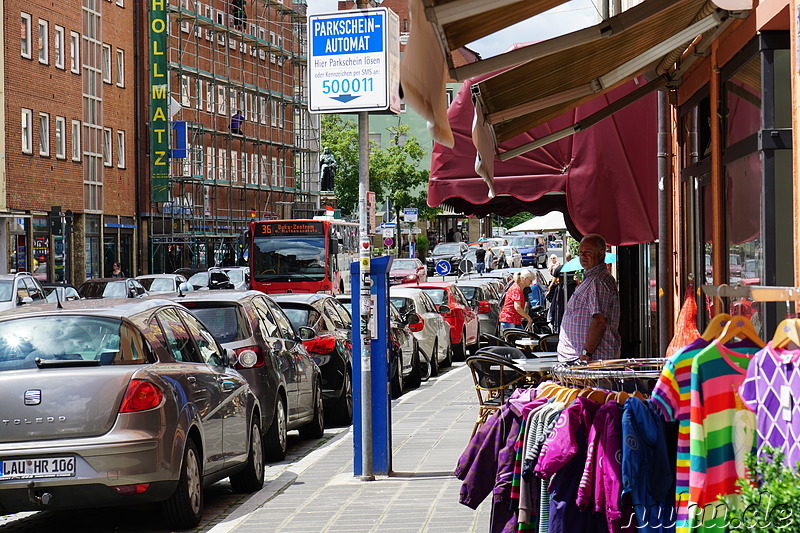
(33, 397)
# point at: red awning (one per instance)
(603, 178)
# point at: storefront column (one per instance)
(718, 249)
(77, 269)
(795, 76)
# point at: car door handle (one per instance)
(192, 380)
(227, 385)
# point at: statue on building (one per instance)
(327, 169)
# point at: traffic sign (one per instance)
(410, 214)
(354, 61)
(388, 225)
(443, 267)
(388, 241)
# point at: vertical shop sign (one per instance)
(159, 103)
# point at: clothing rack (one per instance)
(614, 375)
(756, 293)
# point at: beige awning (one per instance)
(530, 94)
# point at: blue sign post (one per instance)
(380, 364)
(443, 267)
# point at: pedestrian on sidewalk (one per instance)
(513, 311)
(590, 326)
(480, 259)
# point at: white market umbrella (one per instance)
(551, 222)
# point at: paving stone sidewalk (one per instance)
(431, 427)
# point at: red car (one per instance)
(407, 270)
(454, 307)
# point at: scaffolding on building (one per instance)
(236, 74)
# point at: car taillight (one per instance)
(249, 357)
(418, 325)
(322, 345)
(140, 396)
(484, 307)
(127, 490)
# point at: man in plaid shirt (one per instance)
(589, 329)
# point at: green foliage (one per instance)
(393, 170)
(396, 168)
(770, 496)
(423, 245)
(519, 218)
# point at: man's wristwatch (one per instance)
(586, 353)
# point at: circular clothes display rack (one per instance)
(628, 375)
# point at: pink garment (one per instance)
(562, 445)
(602, 477)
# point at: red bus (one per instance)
(302, 255)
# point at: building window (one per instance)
(58, 46)
(263, 117)
(25, 37)
(210, 97)
(44, 134)
(44, 56)
(61, 137)
(74, 52)
(26, 126)
(186, 93)
(449, 93)
(120, 149)
(120, 68)
(274, 117)
(264, 171)
(121, 3)
(221, 100)
(222, 164)
(76, 140)
(107, 63)
(107, 147)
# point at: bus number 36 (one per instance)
(346, 85)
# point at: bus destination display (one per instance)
(289, 228)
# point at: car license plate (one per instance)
(35, 468)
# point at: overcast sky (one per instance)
(568, 17)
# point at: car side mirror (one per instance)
(306, 333)
(333, 247)
(25, 300)
(443, 309)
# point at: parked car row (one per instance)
(172, 391)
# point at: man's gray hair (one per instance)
(598, 241)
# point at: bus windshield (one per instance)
(289, 258)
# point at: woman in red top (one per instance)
(514, 306)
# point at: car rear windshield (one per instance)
(104, 289)
(69, 338)
(158, 284)
(469, 292)
(226, 322)
(439, 296)
(447, 248)
(404, 264)
(236, 276)
(303, 316)
(403, 305)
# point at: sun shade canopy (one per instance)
(604, 178)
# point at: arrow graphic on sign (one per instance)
(344, 98)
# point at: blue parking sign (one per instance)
(443, 267)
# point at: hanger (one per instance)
(715, 326)
(548, 390)
(740, 326)
(786, 333)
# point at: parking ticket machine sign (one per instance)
(354, 61)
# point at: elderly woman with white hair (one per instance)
(513, 311)
(553, 263)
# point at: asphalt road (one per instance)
(220, 502)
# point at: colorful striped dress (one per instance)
(672, 395)
(721, 432)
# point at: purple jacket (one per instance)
(487, 464)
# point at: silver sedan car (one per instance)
(114, 402)
(431, 330)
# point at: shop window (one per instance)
(743, 102)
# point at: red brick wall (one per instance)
(37, 182)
